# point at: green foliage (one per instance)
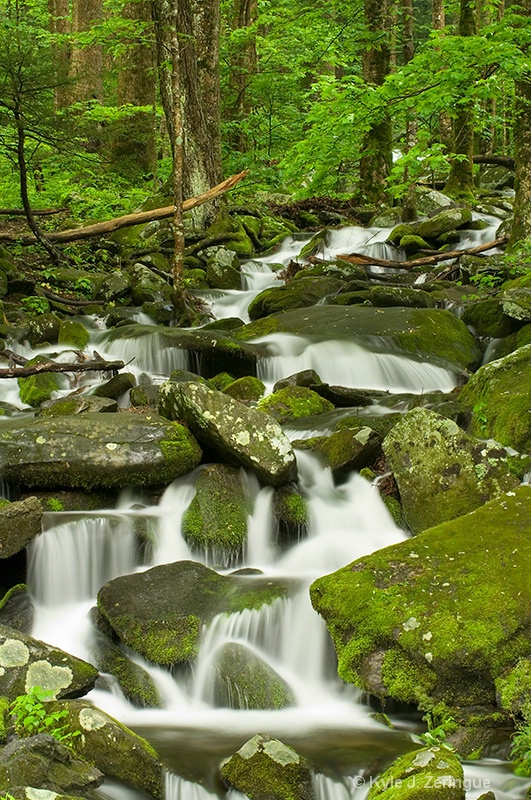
(436, 735)
(32, 717)
(520, 753)
(34, 304)
(53, 504)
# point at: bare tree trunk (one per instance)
(409, 202)
(460, 181)
(60, 23)
(86, 63)
(133, 151)
(178, 169)
(242, 65)
(198, 31)
(375, 163)
(438, 23)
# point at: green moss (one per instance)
(181, 447)
(294, 402)
(433, 773)
(35, 389)
(406, 679)
(73, 333)
(164, 642)
(246, 388)
(244, 681)
(514, 689)
(4, 719)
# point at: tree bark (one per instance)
(102, 228)
(60, 23)
(361, 258)
(54, 366)
(133, 151)
(86, 63)
(179, 293)
(375, 163)
(521, 229)
(242, 66)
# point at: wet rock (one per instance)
(497, 396)
(294, 402)
(26, 662)
(245, 389)
(112, 747)
(44, 328)
(417, 332)
(430, 200)
(291, 513)
(345, 451)
(442, 472)
(488, 319)
(307, 377)
(16, 609)
(73, 333)
(223, 270)
(297, 294)
(240, 434)
(386, 296)
(115, 387)
(41, 761)
(77, 404)
(96, 450)
(20, 522)
(516, 299)
(431, 772)
(216, 519)
(116, 285)
(265, 768)
(345, 396)
(243, 680)
(433, 618)
(150, 616)
(447, 220)
(35, 389)
(147, 286)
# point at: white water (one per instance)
(74, 558)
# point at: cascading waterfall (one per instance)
(77, 554)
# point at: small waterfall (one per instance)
(344, 363)
(260, 548)
(146, 353)
(176, 788)
(169, 545)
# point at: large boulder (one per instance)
(96, 450)
(243, 680)
(497, 396)
(346, 450)
(164, 625)
(441, 472)
(216, 519)
(42, 762)
(26, 662)
(432, 772)
(516, 299)
(265, 768)
(20, 522)
(111, 747)
(416, 332)
(439, 618)
(296, 294)
(239, 434)
(16, 609)
(294, 402)
(388, 296)
(446, 220)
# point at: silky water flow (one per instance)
(328, 721)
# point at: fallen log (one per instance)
(19, 212)
(140, 218)
(54, 366)
(360, 258)
(501, 161)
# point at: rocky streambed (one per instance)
(355, 439)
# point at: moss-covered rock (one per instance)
(112, 747)
(345, 451)
(243, 680)
(245, 389)
(417, 332)
(516, 298)
(27, 662)
(412, 244)
(20, 522)
(163, 625)
(401, 230)
(223, 270)
(115, 387)
(386, 296)
(442, 472)
(513, 689)
(216, 519)
(307, 377)
(16, 609)
(498, 395)
(77, 404)
(147, 286)
(243, 435)
(35, 389)
(433, 619)
(297, 294)
(96, 450)
(265, 768)
(432, 772)
(447, 220)
(294, 402)
(42, 762)
(488, 319)
(291, 513)
(43, 329)
(73, 333)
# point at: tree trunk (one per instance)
(198, 31)
(178, 168)
(460, 181)
(86, 63)
(521, 229)
(409, 202)
(375, 163)
(242, 66)
(60, 23)
(133, 151)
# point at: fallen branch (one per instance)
(501, 161)
(360, 258)
(19, 212)
(140, 218)
(54, 366)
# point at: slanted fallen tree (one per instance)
(140, 218)
(361, 258)
(24, 371)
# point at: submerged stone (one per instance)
(441, 472)
(96, 450)
(266, 768)
(440, 617)
(164, 625)
(238, 433)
